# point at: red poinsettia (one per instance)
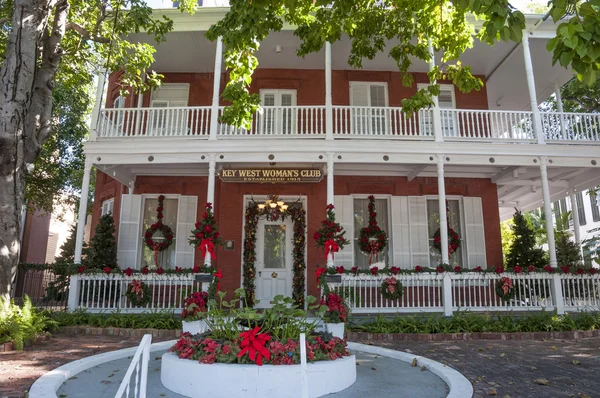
(418, 268)
(531, 268)
(339, 270)
(319, 273)
(253, 343)
(145, 270)
(354, 270)
(330, 236)
(196, 269)
(478, 269)
(565, 269)
(374, 270)
(160, 271)
(548, 268)
(107, 270)
(517, 269)
(499, 269)
(394, 270)
(337, 310)
(81, 269)
(458, 269)
(128, 271)
(194, 304)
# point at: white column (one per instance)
(548, 211)
(328, 100)
(330, 192)
(214, 112)
(537, 119)
(442, 209)
(576, 225)
(139, 113)
(85, 187)
(437, 116)
(98, 104)
(210, 193)
(559, 107)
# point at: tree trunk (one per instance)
(31, 59)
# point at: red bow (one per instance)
(254, 344)
(331, 246)
(136, 287)
(218, 274)
(374, 252)
(207, 244)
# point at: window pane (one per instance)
(433, 223)
(166, 258)
(580, 208)
(361, 219)
(377, 95)
(274, 246)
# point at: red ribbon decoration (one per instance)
(136, 287)
(254, 344)
(218, 274)
(331, 246)
(207, 244)
(374, 251)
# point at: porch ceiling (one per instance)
(518, 186)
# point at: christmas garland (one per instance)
(331, 234)
(373, 239)
(159, 226)
(392, 288)
(298, 216)
(453, 238)
(205, 234)
(138, 293)
(505, 288)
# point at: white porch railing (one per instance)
(101, 292)
(572, 127)
(484, 125)
(581, 292)
(357, 121)
(353, 122)
(139, 367)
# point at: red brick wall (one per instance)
(106, 188)
(400, 186)
(309, 83)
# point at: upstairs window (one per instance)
(368, 101)
(169, 121)
(279, 115)
(107, 207)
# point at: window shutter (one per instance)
(344, 214)
(474, 232)
(129, 231)
(419, 239)
(186, 218)
(400, 232)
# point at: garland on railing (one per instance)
(298, 216)
(82, 270)
(373, 239)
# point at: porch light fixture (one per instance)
(273, 208)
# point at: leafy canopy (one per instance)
(411, 24)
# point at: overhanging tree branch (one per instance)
(86, 33)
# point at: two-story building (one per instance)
(328, 133)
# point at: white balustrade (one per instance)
(154, 122)
(281, 121)
(138, 368)
(565, 126)
(486, 125)
(385, 122)
(101, 292)
(581, 292)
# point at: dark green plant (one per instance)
(22, 324)
(523, 251)
(567, 251)
(102, 251)
(145, 320)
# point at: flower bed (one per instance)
(221, 380)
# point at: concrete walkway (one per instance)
(377, 376)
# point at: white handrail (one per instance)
(139, 367)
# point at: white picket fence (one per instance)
(101, 292)
(472, 291)
(139, 368)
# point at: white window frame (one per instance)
(164, 122)
(108, 207)
(454, 122)
(277, 113)
(140, 254)
(461, 218)
(390, 248)
(361, 113)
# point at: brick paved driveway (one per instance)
(510, 368)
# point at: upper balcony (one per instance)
(500, 113)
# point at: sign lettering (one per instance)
(271, 175)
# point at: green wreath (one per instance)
(392, 289)
(167, 232)
(138, 293)
(505, 288)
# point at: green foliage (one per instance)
(523, 251)
(567, 251)
(410, 23)
(102, 251)
(21, 324)
(145, 320)
(507, 236)
(467, 322)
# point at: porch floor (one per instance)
(378, 376)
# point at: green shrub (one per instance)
(21, 324)
(146, 320)
(466, 322)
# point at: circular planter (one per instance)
(194, 327)
(336, 329)
(219, 380)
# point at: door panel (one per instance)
(273, 260)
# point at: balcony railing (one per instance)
(353, 122)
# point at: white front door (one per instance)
(273, 260)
